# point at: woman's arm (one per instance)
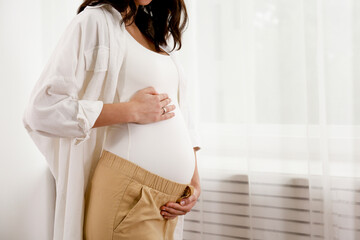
(114, 113)
(55, 107)
(188, 107)
(145, 106)
(195, 181)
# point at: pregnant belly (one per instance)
(163, 147)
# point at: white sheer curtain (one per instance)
(278, 91)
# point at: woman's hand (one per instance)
(172, 209)
(147, 105)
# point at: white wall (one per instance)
(29, 31)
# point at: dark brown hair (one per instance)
(156, 20)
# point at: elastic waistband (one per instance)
(144, 176)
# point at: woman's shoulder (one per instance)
(99, 13)
(93, 24)
(91, 15)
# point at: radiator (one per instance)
(274, 207)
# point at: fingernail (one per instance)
(182, 202)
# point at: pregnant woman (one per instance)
(144, 164)
(109, 114)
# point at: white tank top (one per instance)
(162, 147)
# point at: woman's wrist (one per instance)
(129, 111)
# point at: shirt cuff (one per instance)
(88, 112)
(195, 139)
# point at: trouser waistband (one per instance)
(144, 176)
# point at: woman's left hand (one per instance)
(172, 209)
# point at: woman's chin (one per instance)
(143, 2)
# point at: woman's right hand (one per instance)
(147, 105)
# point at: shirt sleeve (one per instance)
(192, 125)
(55, 108)
(189, 108)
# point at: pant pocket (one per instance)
(137, 205)
(188, 191)
(102, 198)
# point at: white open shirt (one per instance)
(79, 78)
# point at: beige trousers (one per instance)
(123, 202)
